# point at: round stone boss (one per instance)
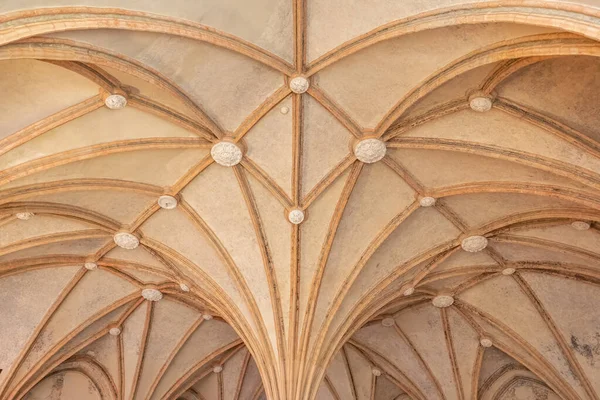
(24, 216)
(409, 290)
(426, 201)
(167, 202)
(152, 294)
(480, 102)
(115, 331)
(90, 265)
(184, 287)
(473, 244)
(299, 84)
(115, 102)
(226, 153)
(126, 240)
(370, 150)
(581, 225)
(296, 216)
(443, 301)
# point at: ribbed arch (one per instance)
(253, 304)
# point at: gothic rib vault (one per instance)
(299, 199)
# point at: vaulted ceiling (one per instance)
(299, 199)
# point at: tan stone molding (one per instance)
(331, 388)
(37, 373)
(504, 225)
(574, 363)
(293, 312)
(297, 146)
(269, 268)
(540, 45)
(353, 274)
(103, 332)
(53, 238)
(403, 383)
(215, 295)
(190, 175)
(262, 110)
(299, 14)
(228, 261)
(570, 17)
(31, 340)
(451, 216)
(558, 129)
(548, 244)
(38, 128)
(506, 69)
(240, 382)
(110, 84)
(538, 364)
(584, 198)
(195, 373)
(239, 323)
(327, 180)
(268, 182)
(114, 266)
(94, 371)
(172, 355)
(322, 262)
(49, 49)
(478, 329)
(136, 376)
(452, 354)
(581, 175)
(23, 192)
(358, 315)
(403, 173)
(105, 81)
(572, 271)
(19, 25)
(95, 219)
(420, 359)
(380, 288)
(405, 125)
(503, 379)
(171, 115)
(334, 109)
(98, 150)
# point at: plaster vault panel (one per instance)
(299, 200)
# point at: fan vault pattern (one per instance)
(288, 199)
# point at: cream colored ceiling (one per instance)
(341, 305)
